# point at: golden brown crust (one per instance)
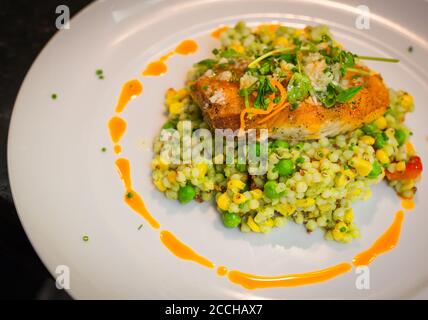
(221, 105)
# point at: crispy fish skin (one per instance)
(219, 101)
(221, 106)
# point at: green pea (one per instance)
(380, 141)
(369, 128)
(300, 160)
(186, 194)
(231, 220)
(270, 190)
(376, 170)
(401, 136)
(285, 167)
(299, 146)
(280, 144)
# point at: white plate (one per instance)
(64, 187)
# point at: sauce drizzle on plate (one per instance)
(251, 281)
(181, 250)
(159, 67)
(384, 243)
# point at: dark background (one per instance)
(25, 28)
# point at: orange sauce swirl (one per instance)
(187, 47)
(217, 32)
(384, 243)
(251, 281)
(130, 90)
(117, 128)
(222, 271)
(183, 251)
(132, 198)
(408, 204)
(159, 67)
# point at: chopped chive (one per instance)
(205, 87)
(99, 73)
(359, 71)
(54, 96)
(85, 238)
(410, 49)
(103, 149)
(129, 195)
(139, 228)
(377, 59)
(270, 53)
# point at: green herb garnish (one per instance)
(346, 95)
(99, 73)
(377, 59)
(298, 88)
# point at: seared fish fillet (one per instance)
(221, 106)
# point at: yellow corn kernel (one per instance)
(304, 203)
(181, 94)
(382, 156)
(172, 176)
(158, 164)
(236, 184)
(339, 231)
(269, 223)
(223, 202)
(160, 186)
(256, 193)
(203, 168)
(341, 180)
(407, 185)
(381, 123)
(176, 107)
(298, 32)
(239, 198)
(349, 173)
(355, 192)
(285, 209)
(281, 41)
(337, 235)
(170, 93)
(401, 166)
(349, 216)
(409, 148)
(407, 101)
(238, 48)
(362, 166)
(368, 140)
(253, 226)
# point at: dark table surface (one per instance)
(25, 27)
